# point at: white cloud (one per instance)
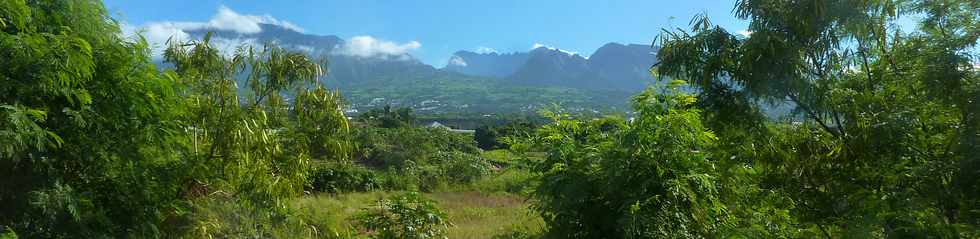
(745, 33)
(229, 20)
(367, 46)
(485, 50)
(457, 61)
(226, 19)
(539, 45)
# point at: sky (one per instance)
(433, 30)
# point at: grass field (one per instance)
(473, 214)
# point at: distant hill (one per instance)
(490, 64)
(613, 66)
(621, 66)
(552, 67)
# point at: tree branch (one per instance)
(813, 115)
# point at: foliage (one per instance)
(458, 93)
(96, 142)
(651, 177)
(8, 234)
(489, 137)
(413, 158)
(320, 125)
(229, 218)
(341, 178)
(406, 216)
(459, 167)
(239, 143)
(388, 118)
(400, 147)
(887, 148)
(86, 125)
(474, 215)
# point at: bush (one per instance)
(394, 148)
(651, 178)
(343, 177)
(420, 158)
(491, 137)
(458, 167)
(407, 216)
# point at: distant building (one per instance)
(436, 124)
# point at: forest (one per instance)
(98, 141)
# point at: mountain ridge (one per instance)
(613, 66)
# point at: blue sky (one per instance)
(443, 27)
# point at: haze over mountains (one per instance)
(606, 79)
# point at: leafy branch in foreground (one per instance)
(409, 215)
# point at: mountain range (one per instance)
(613, 66)
(604, 80)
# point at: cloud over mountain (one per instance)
(367, 47)
(539, 45)
(226, 19)
(485, 50)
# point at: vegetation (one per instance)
(473, 214)
(886, 148)
(420, 158)
(405, 216)
(477, 96)
(97, 142)
(490, 137)
(388, 118)
(648, 178)
(85, 126)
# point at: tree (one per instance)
(887, 146)
(96, 142)
(387, 117)
(255, 145)
(491, 137)
(652, 177)
(85, 125)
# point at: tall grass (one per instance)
(473, 214)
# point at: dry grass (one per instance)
(474, 214)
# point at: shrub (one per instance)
(461, 167)
(344, 177)
(420, 158)
(393, 148)
(408, 216)
(490, 137)
(651, 178)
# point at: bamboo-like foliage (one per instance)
(255, 145)
(96, 142)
